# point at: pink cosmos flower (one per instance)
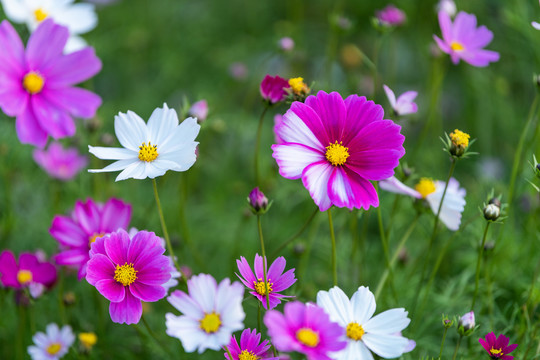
(404, 104)
(28, 272)
(277, 280)
(273, 88)
(391, 16)
(127, 271)
(199, 110)
(88, 221)
(306, 329)
(250, 347)
(59, 163)
(497, 347)
(337, 146)
(286, 43)
(463, 40)
(36, 84)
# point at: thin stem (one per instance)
(152, 334)
(61, 307)
(333, 239)
(259, 318)
(20, 333)
(228, 353)
(297, 234)
(384, 242)
(442, 343)
(266, 287)
(257, 145)
(457, 347)
(480, 253)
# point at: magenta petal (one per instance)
(148, 293)
(480, 57)
(28, 261)
(332, 112)
(13, 99)
(348, 189)
(74, 68)
(311, 119)
(145, 249)
(153, 276)
(88, 216)
(55, 120)
(360, 113)
(8, 269)
(276, 269)
(293, 158)
(446, 26)
(246, 272)
(442, 45)
(258, 266)
(99, 267)
(116, 214)
(68, 232)
(111, 289)
(78, 102)
(29, 130)
(46, 44)
(285, 281)
(44, 273)
(116, 246)
(12, 54)
(295, 314)
(128, 311)
(277, 328)
(315, 178)
(484, 344)
(72, 257)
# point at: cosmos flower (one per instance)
(149, 150)
(277, 280)
(272, 89)
(286, 43)
(337, 147)
(463, 40)
(199, 110)
(363, 331)
(59, 163)
(212, 312)
(466, 324)
(88, 221)
(127, 271)
(306, 329)
(497, 347)
(29, 272)
(404, 104)
(432, 191)
(36, 84)
(53, 344)
(391, 16)
(250, 347)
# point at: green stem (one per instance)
(457, 348)
(480, 253)
(259, 318)
(20, 333)
(257, 145)
(442, 343)
(297, 234)
(333, 239)
(384, 242)
(61, 308)
(152, 334)
(266, 286)
(228, 352)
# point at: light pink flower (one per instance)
(405, 102)
(286, 44)
(391, 16)
(59, 163)
(199, 110)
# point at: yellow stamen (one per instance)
(260, 287)
(24, 277)
(125, 274)
(211, 323)
(307, 337)
(40, 15)
(355, 331)
(298, 86)
(247, 355)
(54, 348)
(337, 154)
(425, 187)
(88, 339)
(459, 138)
(94, 237)
(33, 82)
(457, 46)
(496, 351)
(148, 152)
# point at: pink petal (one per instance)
(12, 54)
(128, 311)
(292, 159)
(246, 272)
(78, 102)
(8, 269)
(13, 99)
(360, 113)
(480, 57)
(285, 281)
(442, 45)
(68, 232)
(446, 27)
(116, 246)
(294, 129)
(44, 273)
(148, 293)
(111, 290)
(116, 214)
(73, 68)
(348, 189)
(29, 130)
(55, 120)
(99, 267)
(88, 216)
(276, 269)
(390, 95)
(72, 257)
(46, 45)
(332, 111)
(481, 38)
(464, 25)
(315, 178)
(153, 276)
(312, 120)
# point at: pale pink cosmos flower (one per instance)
(391, 16)
(60, 163)
(286, 43)
(199, 110)
(404, 104)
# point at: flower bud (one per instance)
(446, 322)
(258, 202)
(459, 143)
(492, 212)
(466, 324)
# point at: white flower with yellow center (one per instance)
(149, 150)
(364, 332)
(53, 344)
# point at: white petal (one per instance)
(110, 153)
(386, 346)
(363, 305)
(535, 25)
(392, 184)
(202, 288)
(130, 130)
(336, 304)
(187, 330)
(183, 158)
(390, 95)
(453, 205)
(74, 43)
(293, 129)
(134, 170)
(388, 322)
(161, 124)
(15, 10)
(182, 135)
(115, 166)
(79, 18)
(363, 352)
(152, 170)
(292, 159)
(315, 178)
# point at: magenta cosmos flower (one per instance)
(250, 347)
(277, 280)
(273, 88)
(337, 146)
(88, 221)
(463, 40)
(126, 271)
(36, 84)
(306, 329)
(391, 16)
(59, 163)
(497, 347)
(28, 272)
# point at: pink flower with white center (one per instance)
(463, 40)
(337, 147)
(391, 16)
(404, 104)
(29, 272)
(277, 280)
(87, 222)
(250, 347)
(53, 344)
(37, 84)
(127, 271)
(199, 110)
(59, 163)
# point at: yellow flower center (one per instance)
(337, 154)
(457, 46)
(33, 82)
(298, 86)
(54, 348)
(24, 277)
(261, 287)
(496, 351)
(93, 238)
(425, 187)
(40, 15)
(355, 331)
(148, 152)
(307, 337)
(211, 323)
(459, 138)
(247, 355)
(88, 339)
(125, 274)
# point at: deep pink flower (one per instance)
(126, 271)
(273, 88)
(36, 84)
(258, 201)
(250, 347)
(59, 163)
(463, 40)
(88, 221)
(337, 146)
(498, 348)
(277, 280)
(391, 16)
(306, 329)
(28, 272)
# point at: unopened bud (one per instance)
(466, 324)
(492, 212)
(446, 322)
(258, 202)
(495, 201)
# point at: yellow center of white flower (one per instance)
(337, 154)
(24, 277)
(457, 46)
(33, 82)
(247, 355)
(425, 187)
(93, 238)
(125, 274)
(355, 331)
(496, 351)
(54, 348)
(211, 323)
(307, 337)
(260, 287)
(40, 15)
(459, 138)
(148, 152)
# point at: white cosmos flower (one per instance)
(149, 150)
(365, 332)
(78, 18)
(53, 344)
(432, 191)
